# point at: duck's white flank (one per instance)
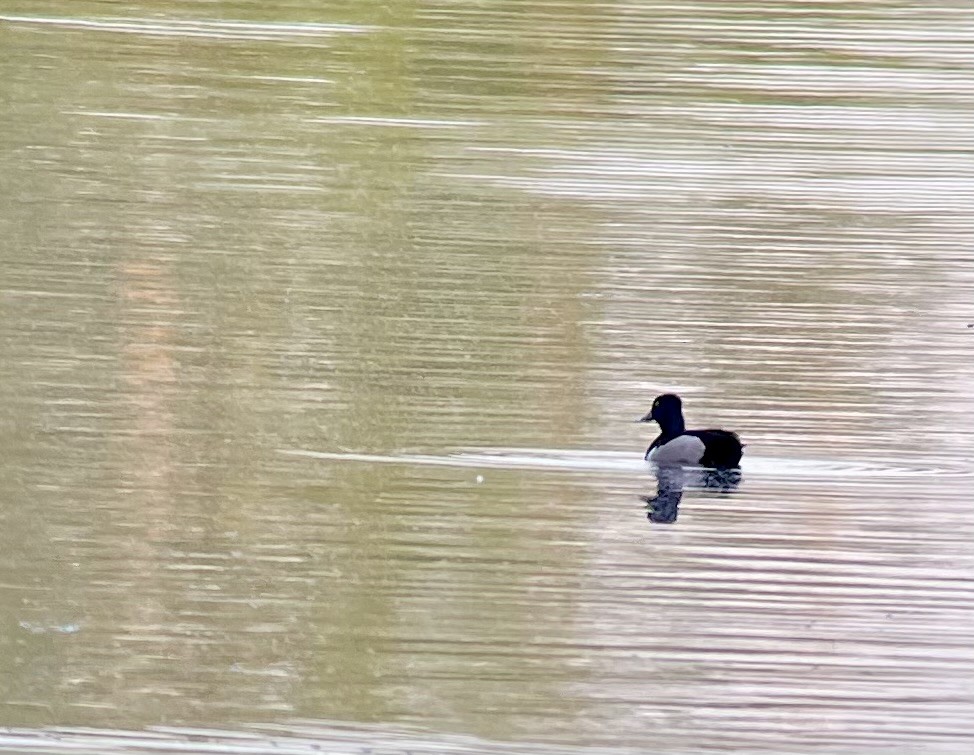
(684, 449)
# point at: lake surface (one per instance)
(322, 331)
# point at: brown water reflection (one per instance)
(453, 250)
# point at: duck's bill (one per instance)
(647, 418)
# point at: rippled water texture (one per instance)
(322, 331)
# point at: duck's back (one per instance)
(722, 448)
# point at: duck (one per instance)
(675, 445)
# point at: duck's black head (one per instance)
(667, 411)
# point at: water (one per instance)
(322, 332)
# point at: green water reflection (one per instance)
(422, 227)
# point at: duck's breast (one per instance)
(683, 449)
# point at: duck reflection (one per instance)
(672, 480)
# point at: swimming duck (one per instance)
(675, 444)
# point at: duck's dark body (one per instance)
(721, 449)
(675, 445)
